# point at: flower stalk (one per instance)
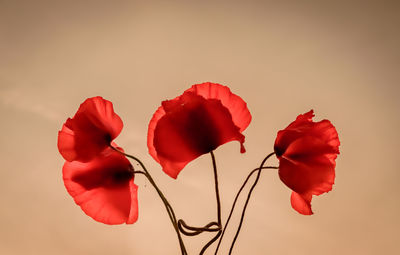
(167, 205)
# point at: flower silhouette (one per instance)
(204, 117)
(90, 131)
(103, 187)
(307, 152)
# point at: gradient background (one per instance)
(340, 58)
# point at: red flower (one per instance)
(90, 131)
(103, 187)
(204, 117)
(307, 152)
(99, 178)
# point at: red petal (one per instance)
(103, 187)
(307, 151)
(90, 131)
(325, 131)
(306, 166)
(66, 143)
(235, 104)
(150, 133)
(301, 203)
(191, 126)
(296, 129)
(304, 126)
(302, 121)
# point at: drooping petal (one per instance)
(308, 165)
(307, 152)
(314, 175)
(103, 187)
(90, 131)
(133, 212)
(192, 126)
(301, 203)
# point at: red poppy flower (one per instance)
(90, 131)
(307, 152)
(103, 187)
(204, 117)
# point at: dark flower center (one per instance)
(121, 176)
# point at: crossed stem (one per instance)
(181, 227)
(247, 200)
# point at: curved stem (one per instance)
(210, 242)
(167, 205)
(248, 199)
(236, 199)
(197, 230)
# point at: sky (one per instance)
(340, 58)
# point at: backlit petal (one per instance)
(103, 187)
(307, 152)
(150, 134)
(90, 131)
(235, 104)
(201, 119)
(301, 203)
(192, 126)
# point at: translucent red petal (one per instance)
(302, 204)
(103, 187)
(307, 151)
(90, 131)
(192, 127)
(150, 133)
(235, 104)
(203, 118)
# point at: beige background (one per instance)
(340, 58)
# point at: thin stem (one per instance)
(139, 172)
(205, 228)
(197, 230)
(210, 242)
(247, 201)
(167, 205)
(216, 188)
(235, 201)
(218, 205)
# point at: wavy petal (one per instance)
(150, 133)
(103, 187)
(192, 126)
(90, 131)
(236, 105)
(188, 126)
(307, 152)
(302, 126)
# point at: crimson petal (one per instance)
(301, 203)
(237, 107)
(307, 152)
(90, 131)
(103, 187)
(197, 122)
